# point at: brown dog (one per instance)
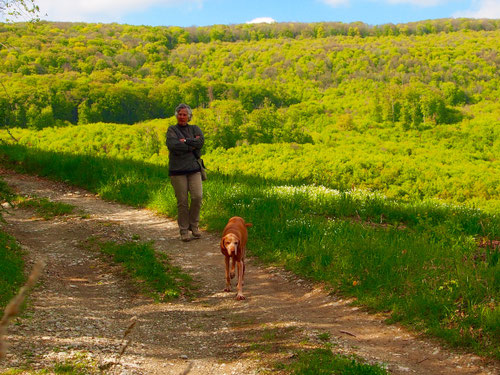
(233, 246)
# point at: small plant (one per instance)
(153, 271)
(45, 208)
(13, 371)
(80, 364)
(324, 336)
(272, 339)
(324, 362)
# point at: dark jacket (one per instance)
(183, 155)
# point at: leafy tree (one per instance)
(222, 123)
(14, 9)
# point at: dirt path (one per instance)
(83, 306)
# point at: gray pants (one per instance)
(188, 215)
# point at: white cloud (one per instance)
(262, 20)
(335, 3)
(101, 10)
(482, 9)
(422, 3)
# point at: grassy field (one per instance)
(434, 267)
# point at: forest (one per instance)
(410, 110)
(417, 75)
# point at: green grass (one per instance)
(324, 362)
(44, 207)
(11, 268)
(11, 257)
(6, 196)
(151, 270)
(79, 364)
(419, 260)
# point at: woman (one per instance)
(184, 142)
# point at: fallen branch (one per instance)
(348, 333)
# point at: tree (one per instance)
(15, 9)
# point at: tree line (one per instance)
(64, 73)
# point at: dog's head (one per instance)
(230, 243)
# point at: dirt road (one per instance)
(83, 306)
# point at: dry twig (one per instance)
(125, 345)
(188, 369)
(126, 342)
(348, 333)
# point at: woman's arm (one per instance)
(198, 141)
(175, 144)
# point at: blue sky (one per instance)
(209, 12)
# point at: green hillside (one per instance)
(410, 110)
(415, 75)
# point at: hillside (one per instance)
(415, 74)
(410, 110)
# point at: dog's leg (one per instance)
(243, 277)
(232, 268)
(228, 279)
(243, 261)
(241, 270)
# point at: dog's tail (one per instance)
(248, 224)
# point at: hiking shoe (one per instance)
(185, 237)
(196, 232)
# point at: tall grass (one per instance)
(420, 261)
(11, 261)
(11, 268)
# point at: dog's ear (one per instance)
(222, 247)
